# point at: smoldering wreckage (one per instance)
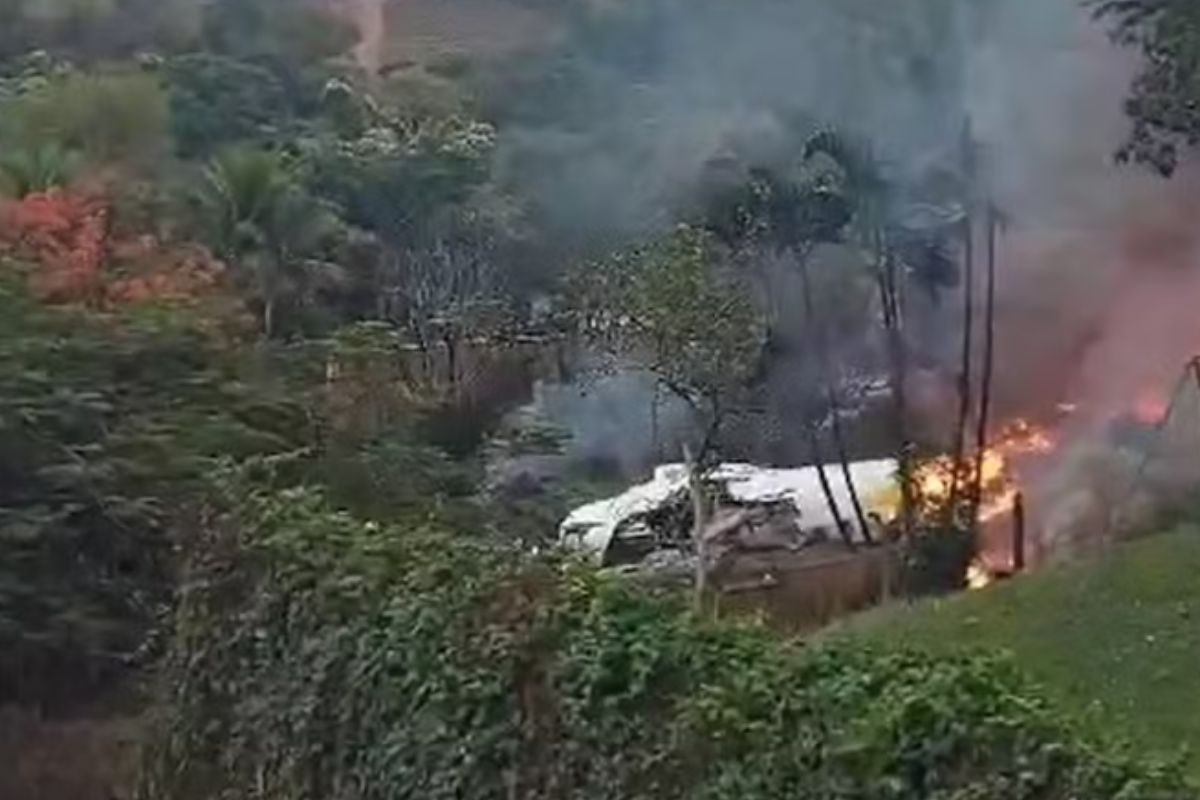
(769, 527)
(776, 508)
(772, 528)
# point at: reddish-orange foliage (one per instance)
(151, 270)
(66, 235)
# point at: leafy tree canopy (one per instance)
(106, 427)
(108, 117)
(1164, 105)
(216, 101)
(676, 308)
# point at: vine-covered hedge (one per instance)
(317, 656)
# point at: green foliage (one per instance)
(106, 427)
(276, 235)
(938, 559)
(402, 179)
(798, 207)
(675, 308)
(216, 101)
(1164, 105)
(1111, 639)
(36, 168)
(395, 477)
(378, 662)
(109, 117)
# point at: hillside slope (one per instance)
(1116, 640)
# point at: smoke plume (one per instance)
(1098, 274)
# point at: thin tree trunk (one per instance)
(839, 443)
(827, 488)
(893, 320)
(964, 373)
(269, 317)
(1018, 544)
(451, 345)
(712, 434)
(700, 517)
(964, 377)
(816, 340)
(989, 359)
(825, 365)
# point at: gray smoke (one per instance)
(641, 96)
(1097, 261)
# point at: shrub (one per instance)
(215, 101)
(939, 557)
(106, 427)
(317, 656)
(111, 117)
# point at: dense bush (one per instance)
(317, 656)
(106, 426)
(112, 117)
(215, 101)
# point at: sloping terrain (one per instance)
(1116, 640)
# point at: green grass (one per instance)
(1115, 640)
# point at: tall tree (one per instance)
(989, 359)
(275, 235)
(965, 403)
(676, 309)
(794, 209)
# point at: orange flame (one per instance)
(978, 576)
(997, 483)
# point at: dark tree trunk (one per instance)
(843, 527)
(893, 320)
(964, 371)
(839, 443)
(451, 344)
(817, 342)
(1018, 545)
(989, 359)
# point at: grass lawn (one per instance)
(1116, 640)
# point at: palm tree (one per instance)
(264, 224)
(856, 186)
(37, 168)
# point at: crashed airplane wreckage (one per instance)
(649, 527)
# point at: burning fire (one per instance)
(997, 481)
(978, 576)
(998, 488)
